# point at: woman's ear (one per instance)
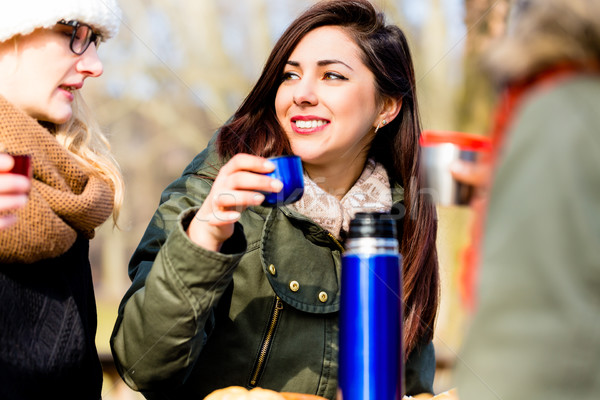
(389, 110)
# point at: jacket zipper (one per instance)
(266, 345)
(336, 242)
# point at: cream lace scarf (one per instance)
(371, 192)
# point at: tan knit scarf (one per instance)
(370, 193)
(64, 199)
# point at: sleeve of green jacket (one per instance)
(172, 294)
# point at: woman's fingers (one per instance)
(248, 181)
(12, 201)
(245, 172)
(226, 207)
(247, 162)
(14, 184)
(240, 184)
(14, 190)
(471, 173)
(6, 162)
(237, 200)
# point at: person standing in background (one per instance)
(47, 307)
(536, 330)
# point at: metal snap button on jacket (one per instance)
(323, 297)
(294, 286)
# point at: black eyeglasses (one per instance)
(82, 36)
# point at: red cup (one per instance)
(22, 165)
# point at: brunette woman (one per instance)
(228, 292)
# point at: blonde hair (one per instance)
(82, 136)
(542, 33)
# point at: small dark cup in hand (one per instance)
(22, 165)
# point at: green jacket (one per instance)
(536, 333)
(194, 321)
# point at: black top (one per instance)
(48, 327)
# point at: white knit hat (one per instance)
(24, 16)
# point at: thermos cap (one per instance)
(372, 224)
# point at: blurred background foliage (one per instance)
(179, 69)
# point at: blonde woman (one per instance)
(47, 306)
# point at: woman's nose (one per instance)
(304, 93)
(89, 63)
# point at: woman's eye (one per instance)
(80, 34)
(288, 76)
(334, 76)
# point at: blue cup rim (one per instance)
(284, 156)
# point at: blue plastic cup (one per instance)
(288, 169)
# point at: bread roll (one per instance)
(240, 393)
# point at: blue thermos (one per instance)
(371, 351)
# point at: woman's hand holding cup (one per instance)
(237, 186)
(455, 166)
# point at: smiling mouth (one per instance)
(311, 124)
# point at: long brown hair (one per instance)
(256, 130)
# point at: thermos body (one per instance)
(371, 354)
